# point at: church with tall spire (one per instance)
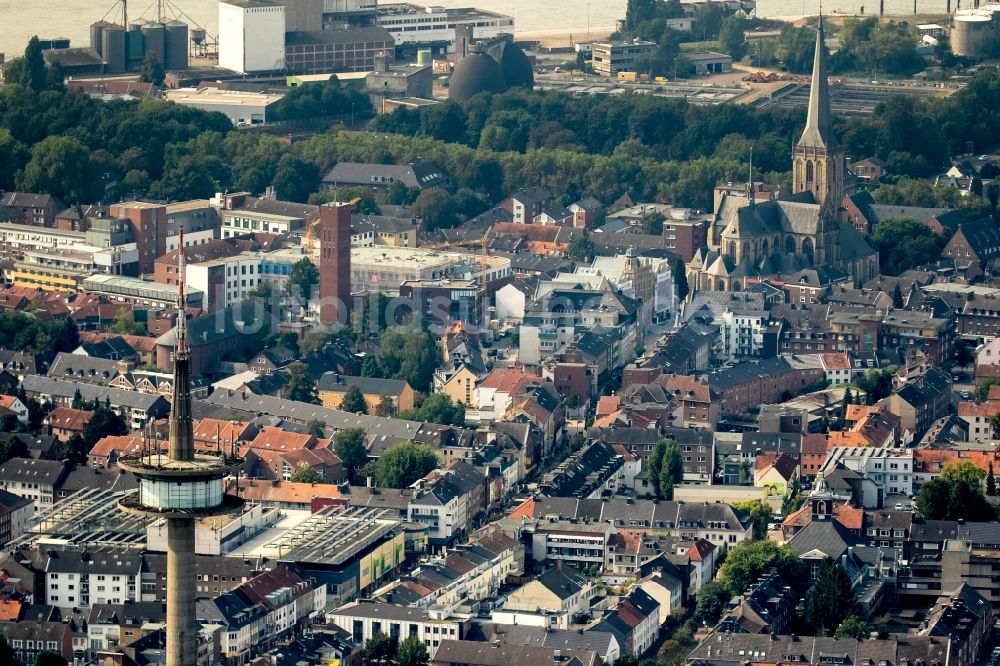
(750, 240)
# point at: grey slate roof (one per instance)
(118, 397)
(420, 174)
(32, 470)
(90, 369)
(826, 536)
(332, 381)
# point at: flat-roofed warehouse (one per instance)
(242, 108)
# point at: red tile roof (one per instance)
(526, 510)
(836, 361)
(685, 387)
(67, 418)
(507, 381)
(985, 410)
(608, 404)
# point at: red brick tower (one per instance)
(335, 263)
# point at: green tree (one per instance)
(403, 464)
(302, 278)
(796, 48)
(378, 650)
(638, 12)
(13, 447)
(993, 195)
(711, 601)
(354, 400)
(848, 399)
(853, 627)
(49, 658)
(745, 474)
(408, 354)
(652, 223)
(963, 471)
(7, 655)
(580, 249)
(349, 445)
(991, 482)
(983, 387)
(830, 599)
(680, 280)
(876, 384)
(316, 428)
(671, 469)
(905, 243)
(759, 511)
(295, 179)
(73, 450)
(103, 422)
(732, 36)
(436, 408)
(957, 494)
(794, 499)
(301, 386)
(125, 324)
(33, 67)
(749, 560)
(62, 166)
(897, 297)
(708, 19)
(151, 70)
(312, 342)
(385, 407)
(412, 652)
(436, 208)
(307, 474)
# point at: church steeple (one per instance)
(817, 163)
(817, 131)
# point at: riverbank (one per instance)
(563, 38)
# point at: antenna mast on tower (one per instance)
(181, 301)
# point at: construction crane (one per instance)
(313, 220)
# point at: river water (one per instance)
(19, 19)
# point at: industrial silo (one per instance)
(134, 51)
(154, 38)
(113, 49)
(176, 45)
(968, 30)
(96, 36)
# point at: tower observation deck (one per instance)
(180, 487)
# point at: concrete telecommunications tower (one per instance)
(180, 487)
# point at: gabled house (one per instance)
(272, 359)
(559, 589)
(974, 247)
(65, 422)
(333, 386)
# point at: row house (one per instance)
(714, 522)
(747, 385)
(694, 404)
(595, 471)
(885, 471)
(922, 401)
(904, 329)
(635, 620)
(979, 419)
(136, 409)
(365, 619)
(263, 611)
(558, 590)
(468, 575)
